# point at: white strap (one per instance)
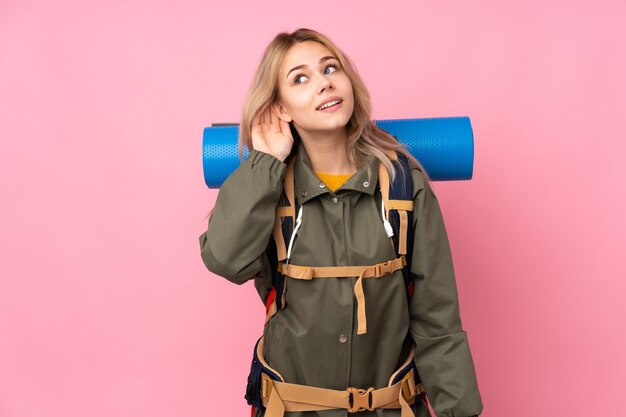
(293, 234)
(386, 223)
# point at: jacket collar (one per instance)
(308, 185)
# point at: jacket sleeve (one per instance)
(243, 218)
(443, 358)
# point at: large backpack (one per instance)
(398, 201)
(398, 204)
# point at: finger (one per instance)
(268, 119)
(284, 128)
(273, 120)
(268, 116)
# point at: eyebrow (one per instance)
(322, 59)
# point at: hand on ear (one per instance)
(271, 134)
(280, 112)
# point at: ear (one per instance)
(280, 111)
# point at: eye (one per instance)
(331, 65)
(325, 68)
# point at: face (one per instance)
(317, 77)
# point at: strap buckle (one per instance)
(267, 384)
(383, 268)
(360, 399)
(409, 389)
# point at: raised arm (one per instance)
(243, 218)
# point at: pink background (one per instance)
(106, 308)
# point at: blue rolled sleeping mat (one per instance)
(443, 145)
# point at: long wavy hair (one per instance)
(364, 137)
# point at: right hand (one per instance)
(272, 135)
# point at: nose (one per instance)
(326, 84)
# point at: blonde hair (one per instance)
(364, 137)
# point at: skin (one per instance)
(324, 135)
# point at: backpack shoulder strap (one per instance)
(285, 213)
(398, 200)
(283, 228)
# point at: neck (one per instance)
(328, 151)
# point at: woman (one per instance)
(307, 119)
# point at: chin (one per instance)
(335, 120)
(327, 124)
(333, 126)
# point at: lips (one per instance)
(328, 100)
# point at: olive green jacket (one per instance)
(314, 340)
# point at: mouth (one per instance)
(330, 103)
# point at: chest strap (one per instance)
(373, 271)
